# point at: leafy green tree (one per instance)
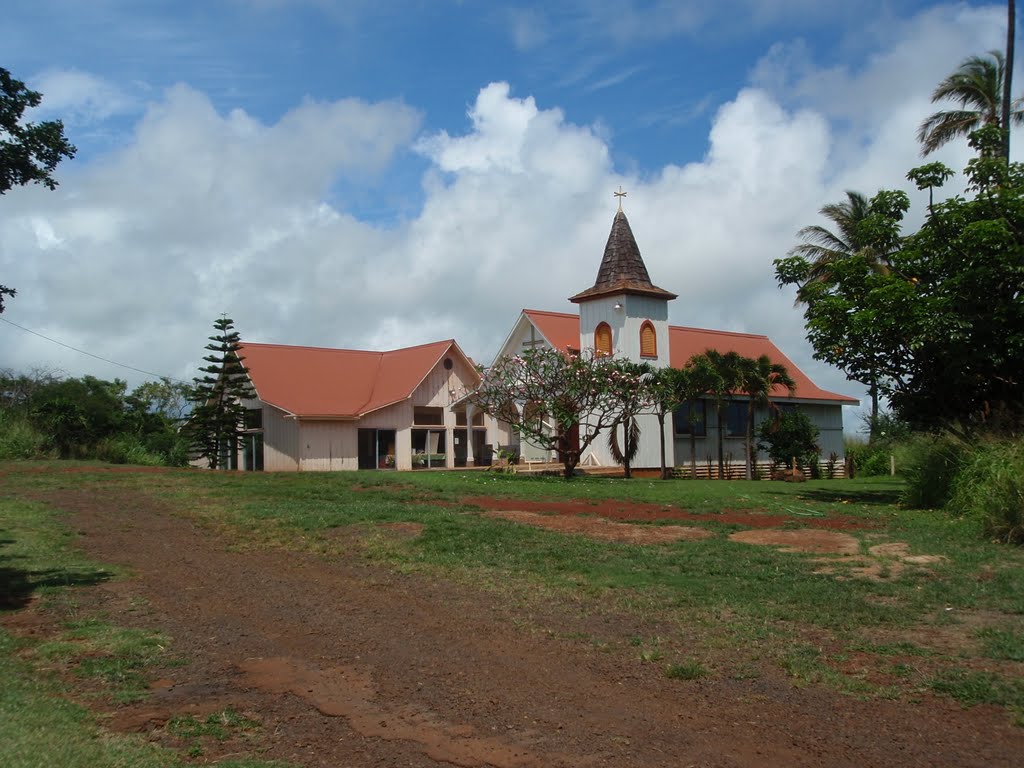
(30, 152)
(166, 397)
(859, 258)
(944, 330)
(790, 436)
(218, 412)
(822, 249)
(759, 379)
(64, 422)
(79, 413)
(977, 85)
(572, 392)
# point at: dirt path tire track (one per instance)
(351, 664)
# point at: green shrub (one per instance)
(990, 487)
(792, 435)
(125, 449)
(19, 439)
(870, 459)
(931, 464)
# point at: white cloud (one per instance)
(79, 98)
(203, 212)
(528, 27)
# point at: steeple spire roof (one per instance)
(622, 268)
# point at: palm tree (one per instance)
(758, 379)
(726, 380)
(698, 378)
(977, 85)
(1011, 33)
(822, 248)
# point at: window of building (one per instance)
(735, 419)
(253, 419)
(648, 340)
(691, 416)
(478, 419)
(603, 339)
(423, 414)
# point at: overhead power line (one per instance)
(90, 354)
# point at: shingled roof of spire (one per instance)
(622, 268)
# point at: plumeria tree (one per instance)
(630, 385)
(556, 401)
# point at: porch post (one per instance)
(470, 459)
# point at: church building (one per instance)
(624, 314)
(335, 409)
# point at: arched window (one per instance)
(648, 340)
(603, 339)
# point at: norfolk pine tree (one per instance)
(218, 412)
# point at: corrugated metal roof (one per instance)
(314, 382)
(562, 330)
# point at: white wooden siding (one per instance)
(828, 418)
(280, 441)
(328, 446)
(626, 323)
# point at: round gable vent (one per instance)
(448, 364)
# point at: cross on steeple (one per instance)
(620, 194)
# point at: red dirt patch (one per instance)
(605, 530)
(883, 561)
(403, 530)
(636, 512)
(823, 542)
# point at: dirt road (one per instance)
(346, 663)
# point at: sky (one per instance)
(371, 175)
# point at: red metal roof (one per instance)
(562, 330)
(316, 382)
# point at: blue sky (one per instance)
(372, 174)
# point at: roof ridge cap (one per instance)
(720, 332)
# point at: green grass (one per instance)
(971, 687)
(686, 670)
(741, 605)
(1005, 644)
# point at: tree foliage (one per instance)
(88, 417)
(724, 380)
(758, 380)
(29, 152)
(792, 435)
(855, 235)
(218, 413)
(944, 329)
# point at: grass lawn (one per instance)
(715, 607)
